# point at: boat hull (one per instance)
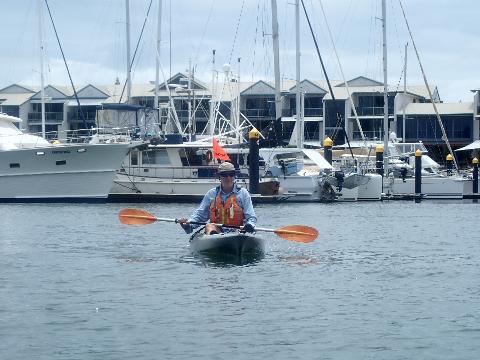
(433, 187)
(72, 172)
(233, 246)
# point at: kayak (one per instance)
(229, 244)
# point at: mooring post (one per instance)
(379, 159)
(475, 178)
(327, 149)
(253, 160)
(449, 164)
(418, 175)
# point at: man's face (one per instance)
(227, 179)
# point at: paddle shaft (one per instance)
(216, 224)
(153, 218)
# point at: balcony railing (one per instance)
(49, 116)
(199, 114)
(75, 116)
(313, 112)
(309, 112)
(369, 135)
(369, 111)
(258, 113)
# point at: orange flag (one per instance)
(218, 151)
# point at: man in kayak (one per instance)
(227, 204)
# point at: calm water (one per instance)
(391, 280)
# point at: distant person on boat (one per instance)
(227, 204)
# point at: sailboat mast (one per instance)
(385, 90)
(42, 57)
(237, 107)
(276, 61)
(189, 99)
(212, 100)
(157, 62)
(297, 63)
(404, 92)
(129, 69)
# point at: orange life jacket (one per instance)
(226, 212)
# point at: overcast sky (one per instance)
(92, 33)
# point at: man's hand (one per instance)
(248, 228)
(184, 223)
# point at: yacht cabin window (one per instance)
(155, 157)
(134, 157)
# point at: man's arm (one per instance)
(202, 213)
(248, 211)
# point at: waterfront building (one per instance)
(323, 117)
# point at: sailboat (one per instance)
(352, 183)
(434, 184)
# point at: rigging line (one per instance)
(326, 77)
(170, 39)
(136, 48)
(255, 41)
(66, 65)
(343, 77)
(236, 32)
(205, 29)
(369, 45)
(444, 133)
(167, 88)
(402, 54)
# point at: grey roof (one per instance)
(443, 108)
(14, 99)
(18, 89)
(361, 81)
(341, 93)
(223, 91)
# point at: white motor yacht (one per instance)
(33, 169)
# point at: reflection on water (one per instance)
(226, 260)
(134, 259)
(219, 260)
(299, 260)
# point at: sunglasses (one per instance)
(226, 174)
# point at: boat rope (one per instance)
(343, 77)
(444, 133)
(339, 117)
(200, 44)
(136, 48)
(66, 65)
(255, 41)
(135, 188)
(236, 33)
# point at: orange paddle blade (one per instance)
(299, 233)
(130, 216)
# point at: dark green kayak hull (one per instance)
(232, 244)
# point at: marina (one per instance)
(239, 180)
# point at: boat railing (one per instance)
(94, 135)
(177, 172)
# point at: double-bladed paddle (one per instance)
(298, 233)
